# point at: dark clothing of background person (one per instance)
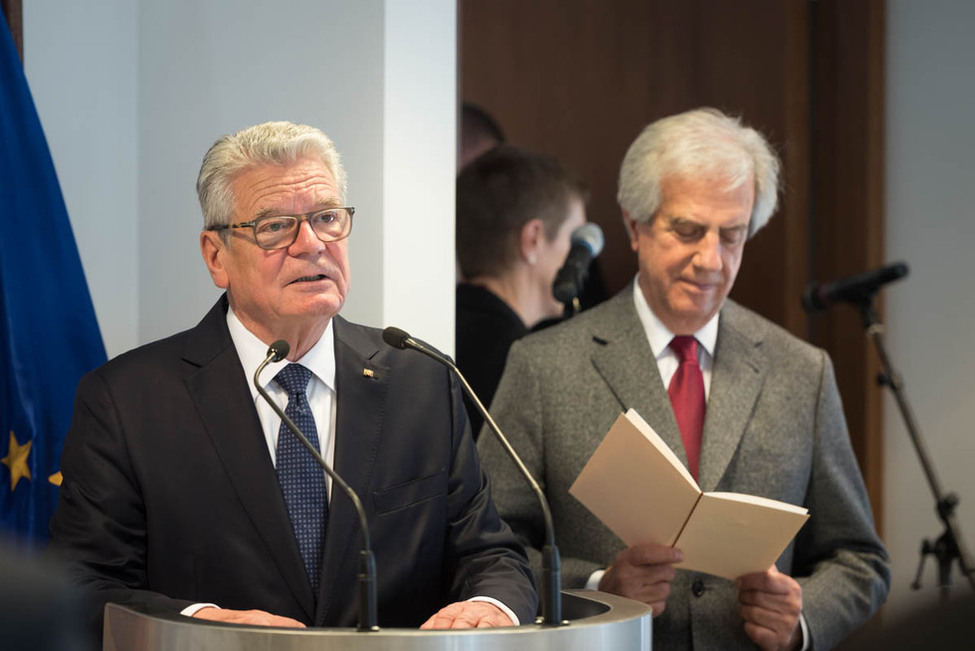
(485, 329)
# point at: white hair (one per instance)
(275, 143)
(700, 143)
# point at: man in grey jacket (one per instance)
(747, 406)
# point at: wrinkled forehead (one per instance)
(289, 188)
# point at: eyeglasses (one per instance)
(281, 231)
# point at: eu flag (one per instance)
(48, 333)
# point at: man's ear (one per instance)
(630, 229)
(214, 249)
(530, 238)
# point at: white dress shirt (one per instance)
(320, 360)
(658, 336)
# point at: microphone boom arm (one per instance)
(367, 562)
(551, 563)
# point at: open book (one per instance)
(638, 487)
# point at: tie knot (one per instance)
(293, 378)
(685, 347)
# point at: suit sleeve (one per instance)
(486, 559)
(100, 522)
(839, 560)
(517, 408)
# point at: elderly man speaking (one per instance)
(183, 492)
(745, 405)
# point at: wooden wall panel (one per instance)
(13, 13)
(848, 226)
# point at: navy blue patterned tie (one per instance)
(302, 479)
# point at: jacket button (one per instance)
(697, 588)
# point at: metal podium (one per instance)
(596, 621)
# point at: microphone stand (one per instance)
(949, 546)
(551, 562)
(571, 307)
(367, 562)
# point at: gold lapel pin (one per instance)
(367, 372)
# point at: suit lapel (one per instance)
(223, 400)
(740, 367)
(361, 396)
(622, 357)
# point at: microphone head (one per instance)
(894, 271)
(279, 349)
(395, 337)
(811, 299)
(590, 236)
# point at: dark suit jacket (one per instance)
(170, 497)
(774, 427)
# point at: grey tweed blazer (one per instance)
(774, 427)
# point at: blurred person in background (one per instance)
(516, 211)
(479, 132)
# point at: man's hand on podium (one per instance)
(643, 573)
(254, 617)
(468, 614)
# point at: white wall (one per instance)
(131, 95)
(418, 193)
(80, 60)
(930, 314)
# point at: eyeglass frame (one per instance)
(303, 217)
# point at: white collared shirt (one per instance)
(320, 360)
(658, 336)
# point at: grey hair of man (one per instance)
(270, 143)
(702, 143)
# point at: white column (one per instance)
(419, 168)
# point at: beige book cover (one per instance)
(638, 487)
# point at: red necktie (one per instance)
(686, 393)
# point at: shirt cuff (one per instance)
(805, 632)
(594, 579)
(507, 611)
(189, 611)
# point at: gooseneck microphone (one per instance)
(857, 289)
(367, 562)
(551, 564)
(587, 243)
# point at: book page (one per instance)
(644, 427)
(730, 534)
(760, 501)
(636, 485)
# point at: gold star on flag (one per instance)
(56, 478)
(16, 461)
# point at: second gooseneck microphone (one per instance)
(367, 562)
(587, 243)
(858, 289)
(551, 563)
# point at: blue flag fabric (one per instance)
(48, 332)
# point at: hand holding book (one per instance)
(726, 534)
